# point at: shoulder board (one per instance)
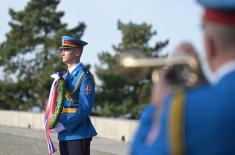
(85, 70)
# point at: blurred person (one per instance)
(199, 121)
(78, 130)
(148, 129)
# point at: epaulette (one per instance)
(85, 70)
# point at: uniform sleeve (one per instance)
(142, 130)
(160, 144)
(84, 108)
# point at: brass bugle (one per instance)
(184, 72)
(131, 62)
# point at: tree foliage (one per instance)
(29, 54)
(118, 95)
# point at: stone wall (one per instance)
(116, 129)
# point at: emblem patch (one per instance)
(88, 89)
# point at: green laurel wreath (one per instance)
(59, 103)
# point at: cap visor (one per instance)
(67, 47)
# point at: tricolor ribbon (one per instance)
(50, 108)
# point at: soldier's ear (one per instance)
(79, 52)
(81, 49)
(210, 45)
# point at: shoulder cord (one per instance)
(176, 124)
(68, 94)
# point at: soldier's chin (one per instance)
(65, 61)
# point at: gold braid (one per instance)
(176, 124)
(68, 94)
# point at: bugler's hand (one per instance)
(185, 48)
(159, 91)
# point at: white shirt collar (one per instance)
(224, 70)
(72, 68)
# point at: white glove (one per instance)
(58, 128)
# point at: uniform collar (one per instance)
(224, 70)
(73, 68)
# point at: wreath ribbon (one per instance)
(50, 109)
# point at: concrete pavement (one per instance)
(22, 141)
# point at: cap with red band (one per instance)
(219, 11)
(70, 42)
(223, 17)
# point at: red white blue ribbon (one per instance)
(50, 108)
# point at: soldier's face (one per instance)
(207, 58)
(70, 55)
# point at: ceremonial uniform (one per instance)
(78, 103)
(201, 120)
(78, 106)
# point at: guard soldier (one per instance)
(79, 98)
(199, 121)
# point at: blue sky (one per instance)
(176, 20)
